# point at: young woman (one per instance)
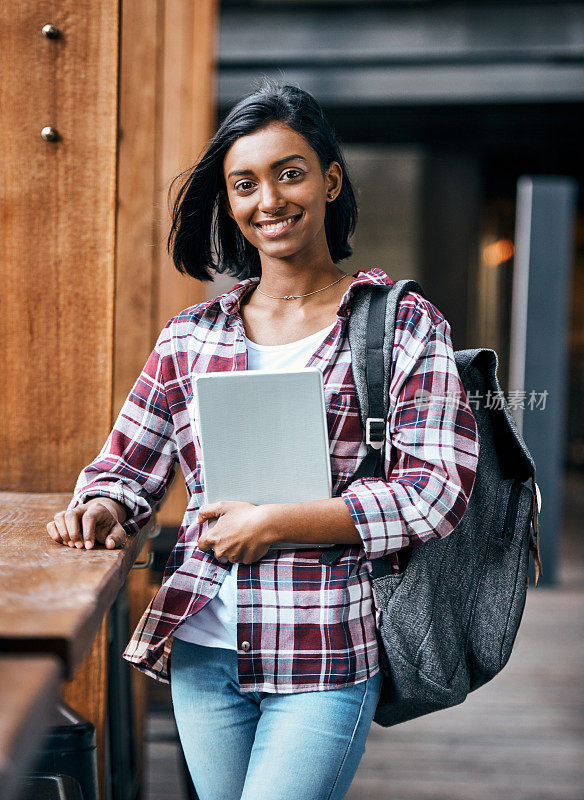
(275, 674)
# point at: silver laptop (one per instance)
(264, 437)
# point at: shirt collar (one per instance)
(230, 301)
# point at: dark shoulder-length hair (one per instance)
(201, 227)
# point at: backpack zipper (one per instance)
(511, 513)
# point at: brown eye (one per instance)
(288, 171)
(241, 185)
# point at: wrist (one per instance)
(267, 523)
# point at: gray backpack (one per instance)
(449, 618)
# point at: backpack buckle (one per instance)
(375, 436)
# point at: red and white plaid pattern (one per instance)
(310, 626)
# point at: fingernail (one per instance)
(88, 545)
(79, 545)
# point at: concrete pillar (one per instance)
(539, 339)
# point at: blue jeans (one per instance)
(253, 745)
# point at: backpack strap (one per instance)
(371, 337)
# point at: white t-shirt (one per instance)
(215, 625)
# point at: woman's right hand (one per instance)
(97, 520)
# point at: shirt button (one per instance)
(246, 646)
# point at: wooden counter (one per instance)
(53, 598)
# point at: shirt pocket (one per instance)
(343, 416)
(346, 435)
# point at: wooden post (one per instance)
(87, 694)
(187, 122)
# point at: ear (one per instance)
(224, 200)
(334, 178)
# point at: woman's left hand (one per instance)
(240, 533)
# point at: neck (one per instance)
(282, 282)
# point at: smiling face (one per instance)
(277, 193)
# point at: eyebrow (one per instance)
(277, 163)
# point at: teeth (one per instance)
(276, 226)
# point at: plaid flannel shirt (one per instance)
(306, 626)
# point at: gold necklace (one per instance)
(297, 296)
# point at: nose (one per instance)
(271, 200)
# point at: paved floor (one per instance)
(520, 737)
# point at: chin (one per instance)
(278, 248)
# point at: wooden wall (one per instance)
(58, 238)
(86, 280)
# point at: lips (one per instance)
(277, 227)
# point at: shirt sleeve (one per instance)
(430, 426)
(137, 463)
